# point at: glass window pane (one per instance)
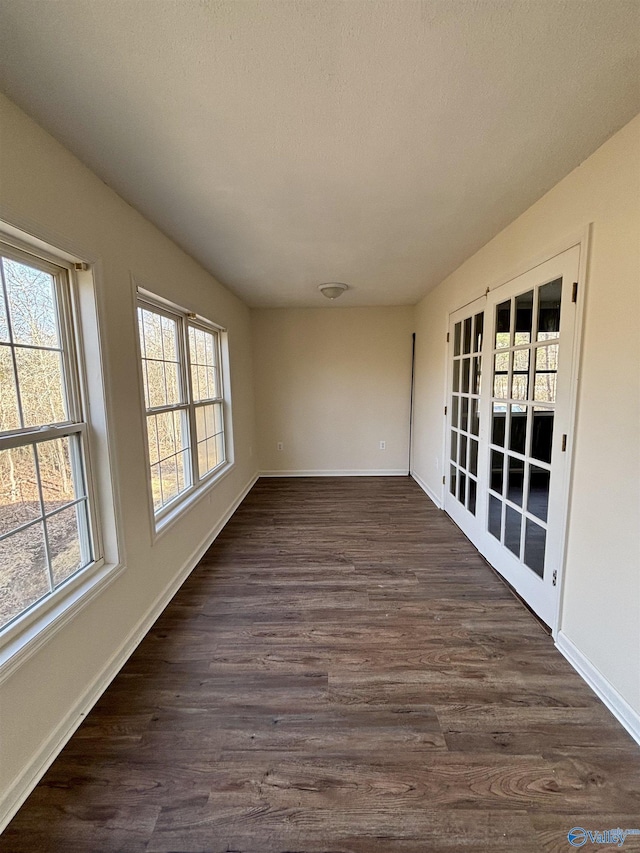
(474, 418)
(520, 376)
(498, 424)
(156, 486)
(518, 428)
(203, 464)
(216, 418)
(501, 362)
(19, 496)
(454, 411)
(542, 434)
(452, 480)
(475, 382)
(545, 387)
(462, 452)
(169, 441)
(183, 468)
(201, 423)
(169, 475)
(457, 334)
(471, 502)
(172, 383)
(454, 446)
(549, 300)
(519, 386)
(473, 456)
(208, 421)
(32, 305)
(521, 360)
(456, 375)
(503, 324)
(220, 448)
(512, 528)
(4, 325)
(547, 357)
(152, 324)
(534, 547)
(515, 482)
(467, 336)
(500, 375)
(9, 415)
(524, 318)
(466, 369)
(495, 516)
(478, 332)
(152, 438)
(497, 471)
(169, 338)
(538, 501)
(24, 578)
(41, 386)
(202, 358)
(462, 488)
(203, 382)
(156, 390)
(57, 472)
(63, 530)
(464, 414)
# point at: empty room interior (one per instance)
(319, 426)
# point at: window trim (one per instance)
(80, 298)
(165, 517)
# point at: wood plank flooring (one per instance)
(341, 674)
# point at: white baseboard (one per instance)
(603, 689)
(428, 491)
(340, 472)
(55, 742)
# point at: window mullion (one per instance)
(193, 433)
(45, 531)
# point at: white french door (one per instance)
(466, 341)
(509, 426)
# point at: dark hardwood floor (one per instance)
(342, 673)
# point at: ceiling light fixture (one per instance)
(332, 289)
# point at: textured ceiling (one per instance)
(284, 144)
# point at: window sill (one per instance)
(36, 627)
(161, 525)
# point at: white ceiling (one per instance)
(284, 144)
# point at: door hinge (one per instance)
(555, 577)
(447, 337)
(564, 443)
(443, 480)
(574, 292)
(445, 410)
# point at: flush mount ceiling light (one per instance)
(333, 289)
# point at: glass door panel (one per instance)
(463, 414)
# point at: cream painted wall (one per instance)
(601, 611)
(331, 383)
(45, 190)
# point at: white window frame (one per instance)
(169, 512)
(77, 314)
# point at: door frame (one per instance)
(582, 239)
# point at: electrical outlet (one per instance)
(383, 445)
(280, 445)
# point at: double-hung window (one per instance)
(184, 401)
(47, 521)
